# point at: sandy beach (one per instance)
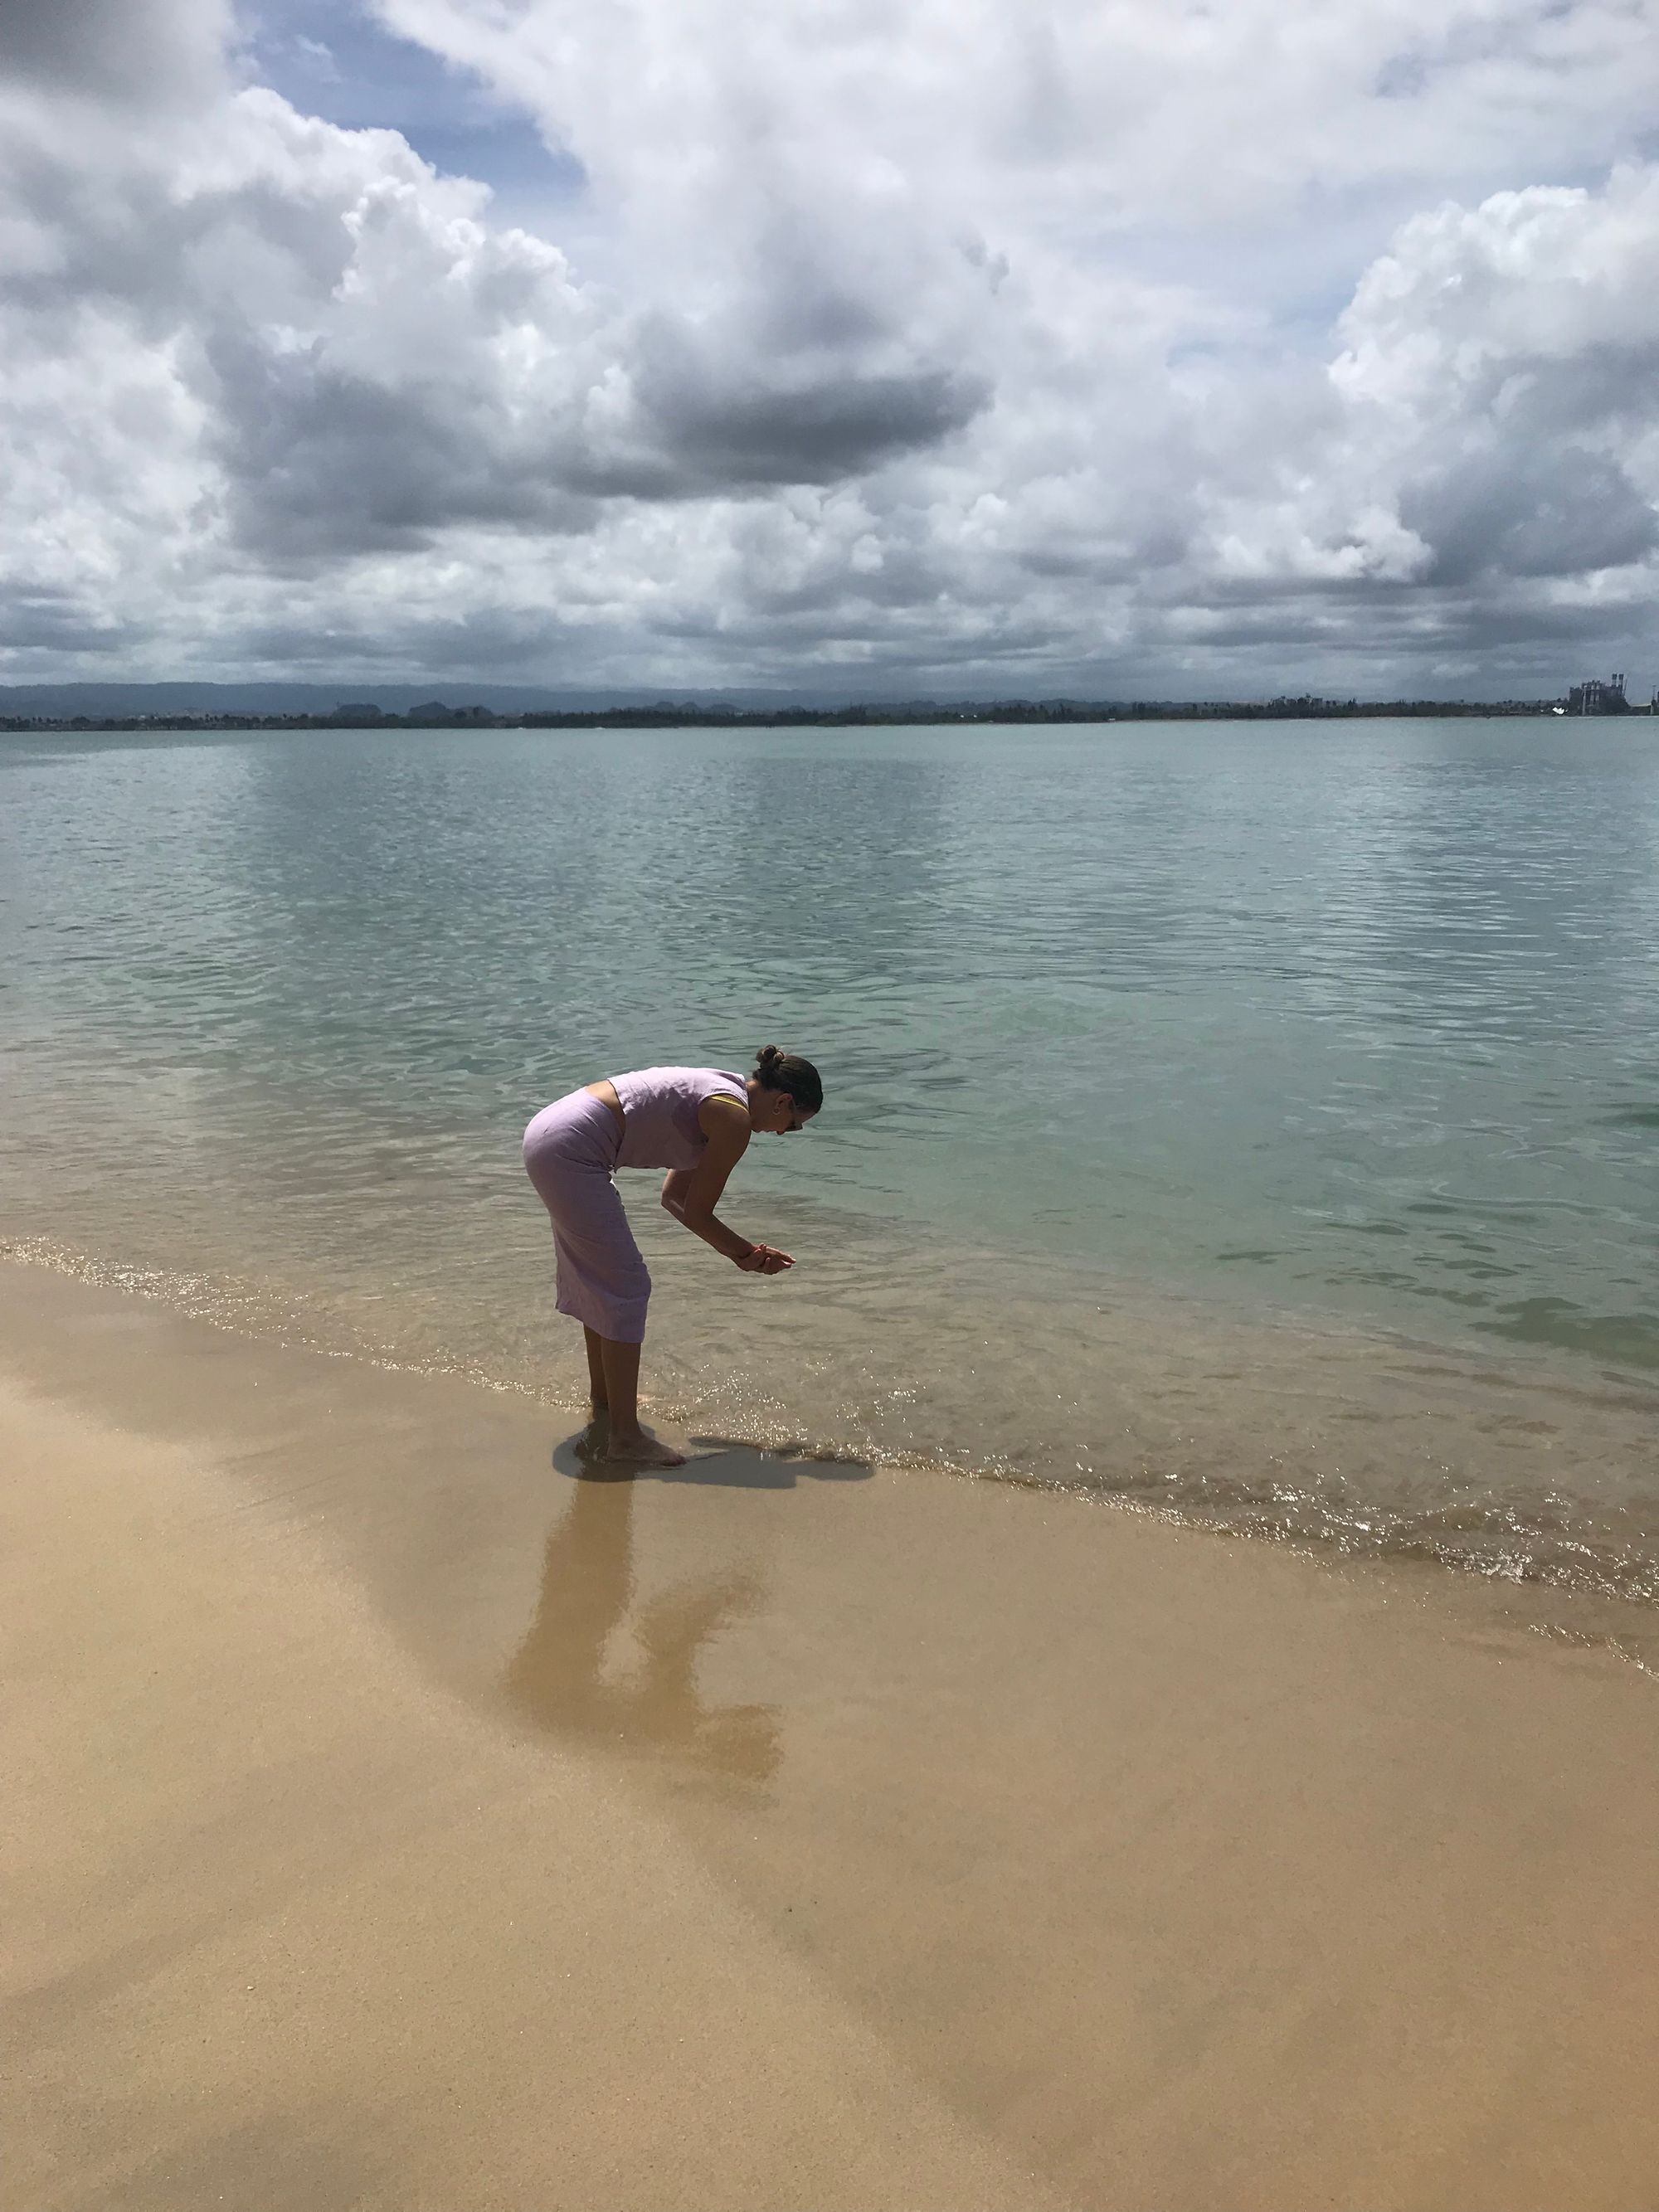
(398, 1818)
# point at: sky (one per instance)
(851, 348)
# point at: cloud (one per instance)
(34, 616)
(157, 51)
(1503, 512)
(1502, 363)
(375, 361)
(942, 346)
(1151, 111)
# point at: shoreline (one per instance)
(1052, 714)
(1234, 1416)
(407, 1820)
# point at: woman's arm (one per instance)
(691, 1194)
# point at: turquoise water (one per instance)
(1153, 1053)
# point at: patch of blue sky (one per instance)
(337, 62)
(1286, 284)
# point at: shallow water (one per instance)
(1254, 1120)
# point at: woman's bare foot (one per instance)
(642, 1449)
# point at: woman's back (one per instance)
(660, 1106)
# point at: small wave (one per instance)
(1379, 1501)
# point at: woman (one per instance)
(694, 1122)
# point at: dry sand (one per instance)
(394, 1818)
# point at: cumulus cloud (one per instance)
(952, 345)
(1150, 111)
(1501, 364)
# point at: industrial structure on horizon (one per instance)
(1599, 694)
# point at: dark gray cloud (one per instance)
(324, 459)
(322, 462)
(33, 619)
(733, 424)
(1523, 511)
(148, 50)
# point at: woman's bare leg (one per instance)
(596, 1383)
(621, 1389)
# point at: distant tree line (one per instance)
(667, 715)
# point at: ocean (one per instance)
(1250, 1122)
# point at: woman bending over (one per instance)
(696, 1123)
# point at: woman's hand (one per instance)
(764, 1259)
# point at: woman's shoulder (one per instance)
(719, 1109)
(709, 1082)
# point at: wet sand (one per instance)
(400, 1818)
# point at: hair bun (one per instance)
(778, 1070)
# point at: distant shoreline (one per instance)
(664, 716)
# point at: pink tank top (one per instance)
(660, 1113)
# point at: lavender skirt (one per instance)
(569, 1153)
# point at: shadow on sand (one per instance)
(558, 1678)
